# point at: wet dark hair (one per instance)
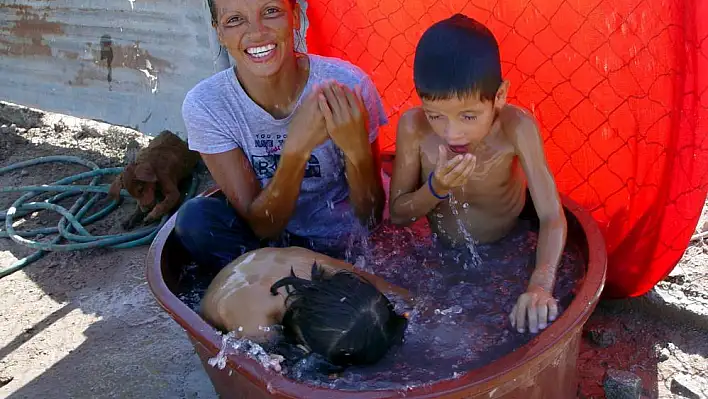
(212, 11)
(341, 317)
(215, 16)
(457, 56)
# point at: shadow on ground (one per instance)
(83, 323)
(626, 335)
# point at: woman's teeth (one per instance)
(261, 51)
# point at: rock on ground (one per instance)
(620, 384)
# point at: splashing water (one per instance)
(231, 344)
(460, 318)
(470, 242)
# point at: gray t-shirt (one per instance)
(220, 116)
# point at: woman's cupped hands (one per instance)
(345, 116)
(331, 110)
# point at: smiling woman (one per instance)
(290, 138)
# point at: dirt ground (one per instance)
(85, 325)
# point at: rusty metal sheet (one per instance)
(126, 62)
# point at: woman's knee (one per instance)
(194, 215)
(212, 232)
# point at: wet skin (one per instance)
(239, 297)
(259, 36)
(484, 154)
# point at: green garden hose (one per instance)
(71, 226)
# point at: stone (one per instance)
(4, 380)
(678, 279)
(620, 384)
(685, 386)
(60, 126)
(662, 354)
(601, 337)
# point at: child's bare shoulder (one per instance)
(413, 124)
(517, 121)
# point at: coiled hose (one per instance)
(71, 226)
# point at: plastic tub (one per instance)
(545, 368)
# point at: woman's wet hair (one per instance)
(341, 317)
(212, 11)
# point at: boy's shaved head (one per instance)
(457, 56)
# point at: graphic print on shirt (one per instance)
(264, 165)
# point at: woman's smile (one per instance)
(261, 53)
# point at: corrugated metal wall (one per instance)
(127, 62)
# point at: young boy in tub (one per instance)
(467, 154)
(325, 305)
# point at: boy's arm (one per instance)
(538, 303)
(409, 200)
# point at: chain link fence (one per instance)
(618, 87)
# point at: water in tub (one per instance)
(460, 321)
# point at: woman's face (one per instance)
(257, 33)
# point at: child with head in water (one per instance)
(468, 160)
(324, 305)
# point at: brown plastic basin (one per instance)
(545, 368)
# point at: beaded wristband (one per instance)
(432, 191)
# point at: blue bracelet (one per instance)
(432, 191)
